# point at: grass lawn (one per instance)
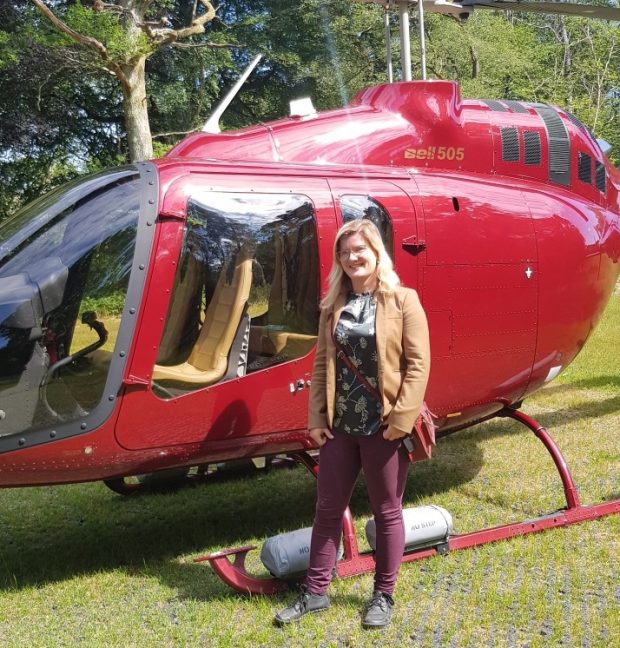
(81, 566)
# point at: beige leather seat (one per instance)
(208, 361)
(183, 311)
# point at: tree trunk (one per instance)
(136, 113)
(567, 63)
(475, 63)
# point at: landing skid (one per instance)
(354, 563)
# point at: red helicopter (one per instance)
(503, 215)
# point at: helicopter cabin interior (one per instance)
(246, 291)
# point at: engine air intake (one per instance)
(510, 144)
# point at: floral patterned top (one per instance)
(357, 411)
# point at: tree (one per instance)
(326, 49)
(54, 123)
(63, 108)
(121, 36)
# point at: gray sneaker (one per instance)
(305, 603)
(378, 611)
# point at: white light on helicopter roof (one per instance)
(302, 107)
(604, 145)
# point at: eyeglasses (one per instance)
(343, 255)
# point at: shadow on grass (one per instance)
(54, 534)
(584, 383)
(585, 410)
(200, 583)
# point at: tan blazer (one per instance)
(403, 354)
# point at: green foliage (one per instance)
(27, 178)
(8, 53)
(62, 114)
(489, 56)
(55, 121)
(105, 306)
(326, 50)
(123, 40)
(183, 86)
(160, 149)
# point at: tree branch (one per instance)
(63, 27)
(99, 5)
(211, 45)
(163, 36)
(88, 41)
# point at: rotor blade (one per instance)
(568, 8)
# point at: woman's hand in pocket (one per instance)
(320, 435)
(393, 434)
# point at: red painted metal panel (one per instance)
(572, 295)
(480, 294)
(258, 404)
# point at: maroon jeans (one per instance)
(385, 465)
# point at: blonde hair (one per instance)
(387, 279)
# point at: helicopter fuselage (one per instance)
(504, 216)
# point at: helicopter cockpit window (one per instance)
(353, 207)
(64, 272)
(246, 292)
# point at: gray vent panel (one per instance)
(510, 144)
(584, 167)
(576, 121)
(515, 106)
(531, 140)
(495, 105)
(559, 145)
(600, 177)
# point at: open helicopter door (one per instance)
(231, 315)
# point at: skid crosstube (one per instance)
(354, 563)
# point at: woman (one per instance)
(362, 403)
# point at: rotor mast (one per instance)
(388, 42)
(422, 41)
(405, 46)
(405, 42)
(461, 9)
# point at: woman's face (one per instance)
(358, 262)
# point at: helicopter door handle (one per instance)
(298, 385)
(413, 245)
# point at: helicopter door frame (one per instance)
(267, 403)
(404, 217)
(481, 281)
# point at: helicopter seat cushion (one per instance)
(272, 340)
(208, 361)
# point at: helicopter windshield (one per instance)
(65, 262)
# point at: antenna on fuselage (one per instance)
(212, 125)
